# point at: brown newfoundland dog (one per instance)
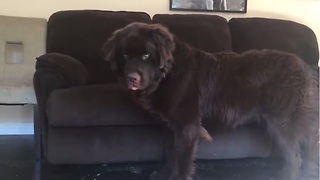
(182, 85)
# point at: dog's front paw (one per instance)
(180, 178)
(163, 176)
(159, 176)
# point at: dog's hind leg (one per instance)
(310, 157)
(288, 142)
(310, 147)
(309, 113)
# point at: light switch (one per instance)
(14, 53)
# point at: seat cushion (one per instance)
(146, 143)
(104, 145)
(243, 142)
(207, 32)
(95, 105)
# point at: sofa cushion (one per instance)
(104, 145)
(146, 143)
(243, 142)
(206, 32)
(264, 33)
(81, 34)
(95, 105)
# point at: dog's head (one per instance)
(141, 54)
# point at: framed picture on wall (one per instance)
(235, 6)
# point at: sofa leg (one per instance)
(37, 170)
(37, 133)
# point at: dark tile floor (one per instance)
(17, 163)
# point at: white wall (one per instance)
(303, 11)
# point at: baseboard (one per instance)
(16, 128)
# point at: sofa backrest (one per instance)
(207, 32)
(264, 33)
(81, 34)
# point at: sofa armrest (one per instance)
(71, 71)
(54, 71)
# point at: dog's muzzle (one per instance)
(133, 81)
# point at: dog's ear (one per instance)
(109, 49)
(164, 41)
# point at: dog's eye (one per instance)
(145, 57)
(126, 57)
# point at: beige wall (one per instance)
(303, 11)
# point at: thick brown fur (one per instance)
(183, 86)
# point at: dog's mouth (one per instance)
(133, 86)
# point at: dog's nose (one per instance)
(133, 77)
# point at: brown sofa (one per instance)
(85, 118)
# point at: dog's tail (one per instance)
(204, 134)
